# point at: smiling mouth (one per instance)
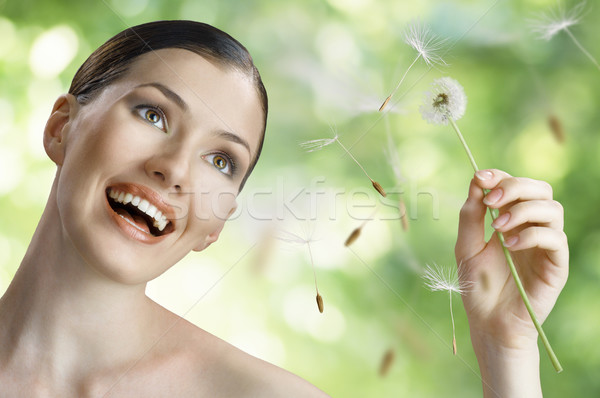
(139, 212)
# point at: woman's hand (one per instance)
(502, 331)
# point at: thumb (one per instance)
(471, 225)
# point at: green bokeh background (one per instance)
(329, 64)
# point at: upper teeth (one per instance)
(160, 221)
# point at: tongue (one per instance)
(138, 221)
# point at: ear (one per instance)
(63, 112)
(213, 236)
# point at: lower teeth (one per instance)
(131, 223)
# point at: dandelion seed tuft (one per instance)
(427, 44)
(315, 145)
(438, 278)
(446, 100)
(547, 25)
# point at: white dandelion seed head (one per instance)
(447, 99)
(426, 43)
(547, 25)
(447, 279)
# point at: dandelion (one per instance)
(289, 237)
(315, 145)
(446, 103)
(549, 24)
(426, 44)
(449, 280)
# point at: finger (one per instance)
(548, 213)
(552, 240)
(514, 189)
(471, 225)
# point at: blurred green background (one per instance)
(329, 64)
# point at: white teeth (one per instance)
(151, 211)
(143, 206)
(159, 220)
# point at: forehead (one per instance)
(213, 94)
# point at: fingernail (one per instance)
(511, 241)
(500, 221)
(484, 174)
(493, 196)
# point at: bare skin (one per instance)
(502, 333)
(75, 321)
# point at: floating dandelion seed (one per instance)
(549, 24)
(315, 145)
(445, 104)
(353, 236)
(386, 362)
(449, 280)
(356, 232)
(426, 44)
(556, 128)
(289, 237)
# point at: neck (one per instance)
(59, 312)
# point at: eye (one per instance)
(153, 115)
(221, 162)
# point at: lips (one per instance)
(140, 212)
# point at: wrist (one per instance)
(508, 369)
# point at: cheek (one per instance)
(214, 203)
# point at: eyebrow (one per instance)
(167, 92)
(234, 138)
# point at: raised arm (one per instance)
(502, 333)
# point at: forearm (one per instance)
(507, 372)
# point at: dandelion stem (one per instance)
(453, 328)
(353, 158)
(578, 44)
(513, 269)
(313, 266)
(382, 107)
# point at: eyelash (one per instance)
(156, 109)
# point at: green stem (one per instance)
(513, 269)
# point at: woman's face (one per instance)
(153, 164)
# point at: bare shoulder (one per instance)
(214, 367)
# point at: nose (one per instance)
(170, 167)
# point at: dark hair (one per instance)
(112, 59)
